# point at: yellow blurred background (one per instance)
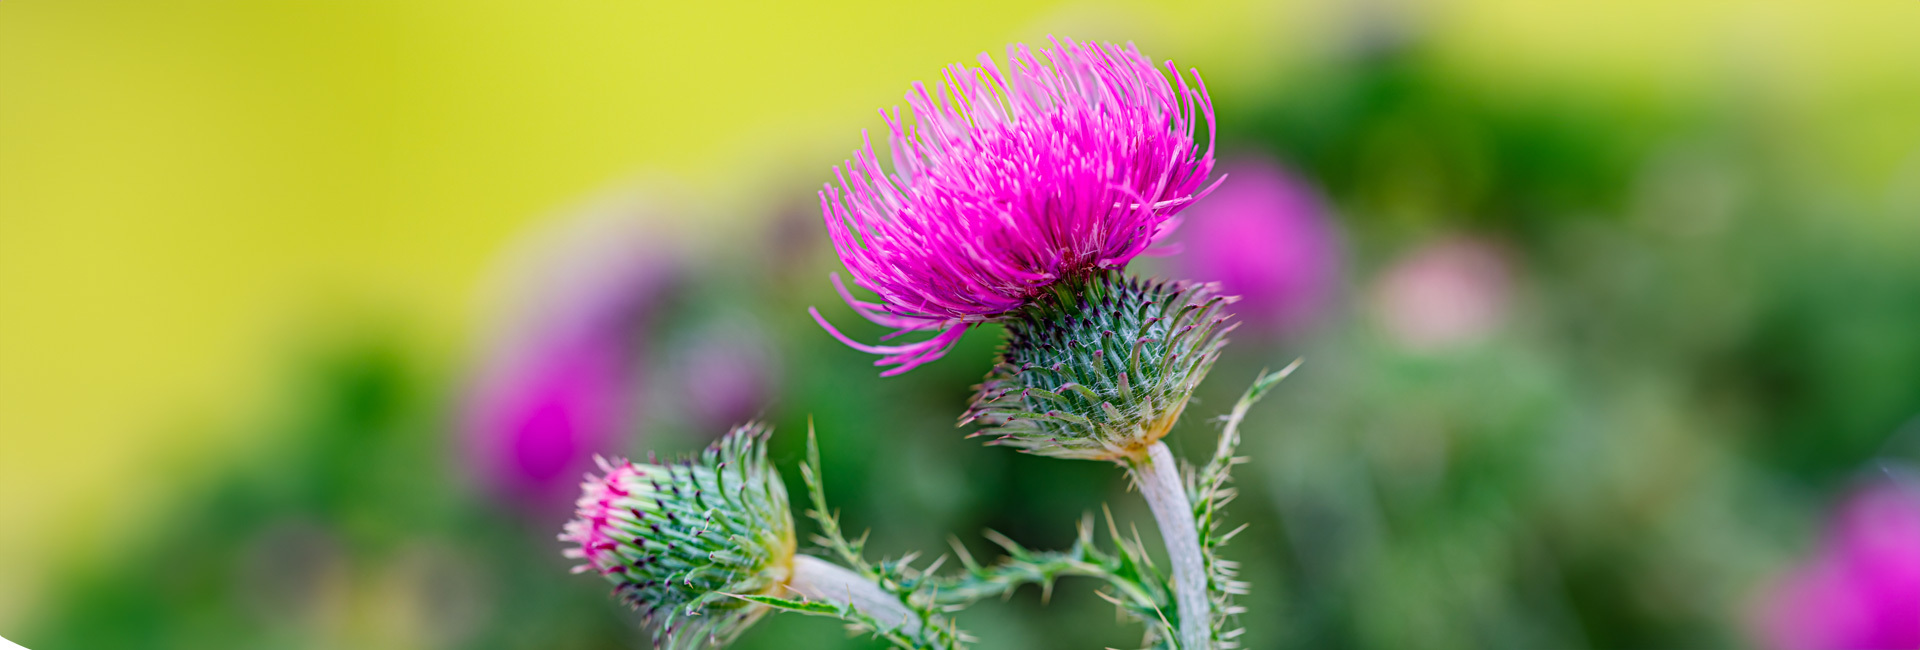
(189, 190)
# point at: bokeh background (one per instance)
(310, 313)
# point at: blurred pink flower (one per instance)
(538, 422)
(1267, 237)
(1447, 293)
(1071, 160)
(1861, 589)
(562, 381)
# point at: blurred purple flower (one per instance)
(1075, 159)
(1267, 237)
(1861, 589)
(1447, 293)
(727, 380)
(538, 422)
(562, 381)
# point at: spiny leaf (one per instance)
(1210, 493)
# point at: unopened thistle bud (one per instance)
(1101, 369)
(679, 540)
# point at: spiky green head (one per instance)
(679, 540)
(1100, 369)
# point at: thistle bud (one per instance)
(1100, 369)
(679, 540)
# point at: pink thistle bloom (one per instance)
(1074, 159)
(608, 501)
(562, 378)
(1862, 588)
(679, 541)
(1266, 237)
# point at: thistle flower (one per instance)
(1074, 160)
(1100, 369)
(678, 541)
(558, 383)
(539, 421)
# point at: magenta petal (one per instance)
(1067, 160)
(1861, 589)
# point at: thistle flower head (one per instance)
(1101, 368)
(679, 540)
(1072, 160)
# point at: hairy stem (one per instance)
(820, 580)
(1159, 480)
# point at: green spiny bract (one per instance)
(679, 541)
(1100, 369)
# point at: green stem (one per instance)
(820, 580)
(1159, 480)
